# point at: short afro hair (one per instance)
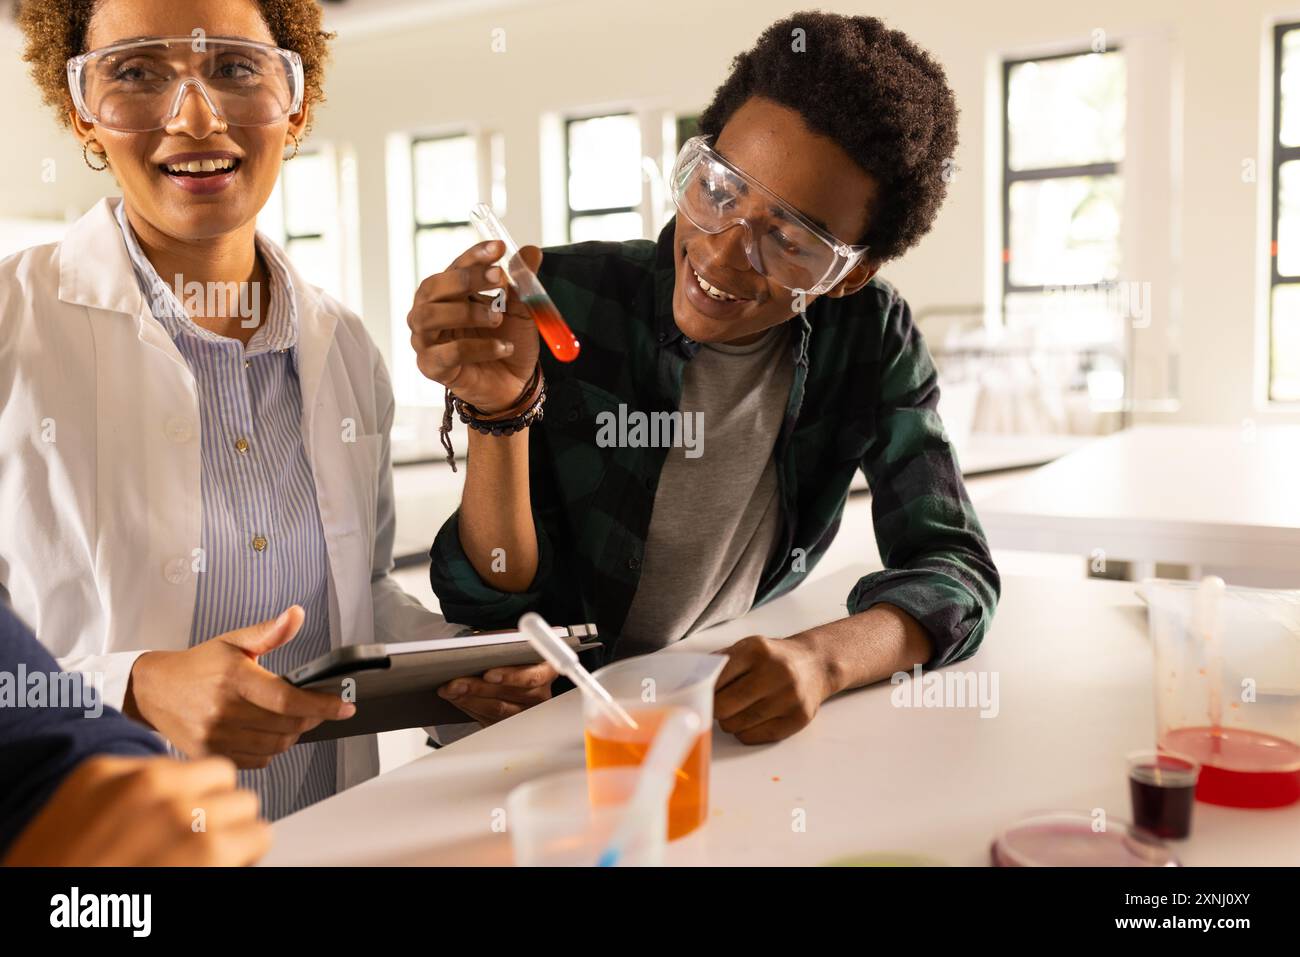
(883, 99)
(55, 31)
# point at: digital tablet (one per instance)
(395, 685)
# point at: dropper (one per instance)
(565, 660)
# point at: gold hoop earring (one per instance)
(85, 156)
(296, 145)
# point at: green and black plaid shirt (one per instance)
(863, 396)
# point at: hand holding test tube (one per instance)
(554, 330)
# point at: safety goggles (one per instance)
(781, 243)
(139, 85)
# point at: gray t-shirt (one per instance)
(716, 516)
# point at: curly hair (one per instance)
(55, 31)
(873, 91)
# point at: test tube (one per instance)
(555, 331)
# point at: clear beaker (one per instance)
(567, 820)
(1228, 697)
(646, 687)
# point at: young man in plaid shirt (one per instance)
(695, 459)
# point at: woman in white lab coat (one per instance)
(140, 536)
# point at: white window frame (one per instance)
(1150, 213)
(658, 151)
(341, 233)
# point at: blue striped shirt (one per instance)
(263, 545)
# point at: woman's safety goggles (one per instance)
(139, 85)
(780, 242)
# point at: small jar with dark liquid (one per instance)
(1162, 786)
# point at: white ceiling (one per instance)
(356, 17)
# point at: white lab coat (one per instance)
(99, 466)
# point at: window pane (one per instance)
(687, 126)
(1285, 344)
(309, 198)
(1065, 231)
(1068, 318)
(605, 162)
(1289, 132)
(1066, 112)
(612, 226)
(313, 259)
(436, 248)
(1288, 219)
(446, 179)
(270, 220)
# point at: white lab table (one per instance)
(1221, 499)
(1074, 681)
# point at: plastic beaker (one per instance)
(646, 687)
(1228, 697)
(567, 819)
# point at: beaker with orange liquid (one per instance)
(647, 687)
(1228, 696)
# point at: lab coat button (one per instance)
(176, 570)
(178, 430)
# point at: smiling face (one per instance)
(197, 178)
(813, 174)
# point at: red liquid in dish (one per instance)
(559, 337)
(1240, 768)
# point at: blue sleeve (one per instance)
(49, 723)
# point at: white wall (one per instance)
(570, 55)
(44, 174)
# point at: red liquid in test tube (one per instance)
(559, 338)
(555, 331)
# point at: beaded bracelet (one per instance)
(483, 422)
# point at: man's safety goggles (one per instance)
(139, 85)
(780, 242)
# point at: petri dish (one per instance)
(1067, 839)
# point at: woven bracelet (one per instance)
(479, 421)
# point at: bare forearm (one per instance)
(868, 647)
(496, 512)
(772, 687)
